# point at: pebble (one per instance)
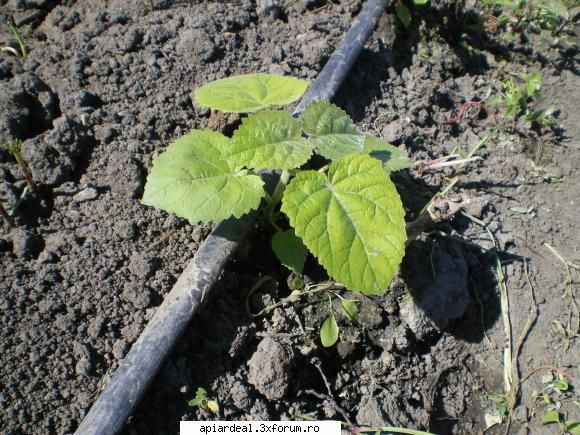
(89, 193)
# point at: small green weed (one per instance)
(14, 148)
(202, 401)
(20, 41)
(517, 98)
(549, 398)
(532, 15)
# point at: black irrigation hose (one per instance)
(129, 382)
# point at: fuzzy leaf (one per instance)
(352, 220)
(194, 181)
(350, 309)
(269, 140)
(290, 250)
(334, 135)
(329, 331)
(331, 131)
(393, 158)
(250, 92)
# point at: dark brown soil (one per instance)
(108, 85)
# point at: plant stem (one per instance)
(20, 41)
(423, 220)
(276, 197)
(14, 149)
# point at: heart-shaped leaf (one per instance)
(269, 140)
(351, 219)
(193, 180)
(250, 92)
(334, 135)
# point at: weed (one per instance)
(532, 15)
(331, 209)
(14, 148)
(516, 99)
(20, 41)
(202, 401)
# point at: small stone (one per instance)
(89, 193)
(269, 369)
(120, 349)
(139, 296)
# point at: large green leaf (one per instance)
(290, 250)
(335, 135)
(351, 219)
(250, 92)
(269, 140)
(193, 180)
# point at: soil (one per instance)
(108, 85)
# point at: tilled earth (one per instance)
(108, 85)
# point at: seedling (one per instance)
(14, 149)
(533, 15)
(202, 401)
(345, 211)
(21, 44)
(404, 12)
(516, 99)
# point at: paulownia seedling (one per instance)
(202, 401)
(345, 211)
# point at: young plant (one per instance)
(14, 148)
(202, 401)
(20, 41)
(533, 15)
(345, 211)
(516, 99)
(403, 11)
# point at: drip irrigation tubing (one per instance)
(129, 382)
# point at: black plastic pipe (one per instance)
(136, 371)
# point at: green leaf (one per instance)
(200, 398)
(269, 140)
(193, 180)
(572, 426)
(533, 84)
(350, 309)
(555, 7)
(331, 131)
(403, 13)
(334, 135)
(329, 331)
(392, 157)
(420, 2)
(352, 220)
(551, 417)
(558, 384)
(250, 92)
(290, 250)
